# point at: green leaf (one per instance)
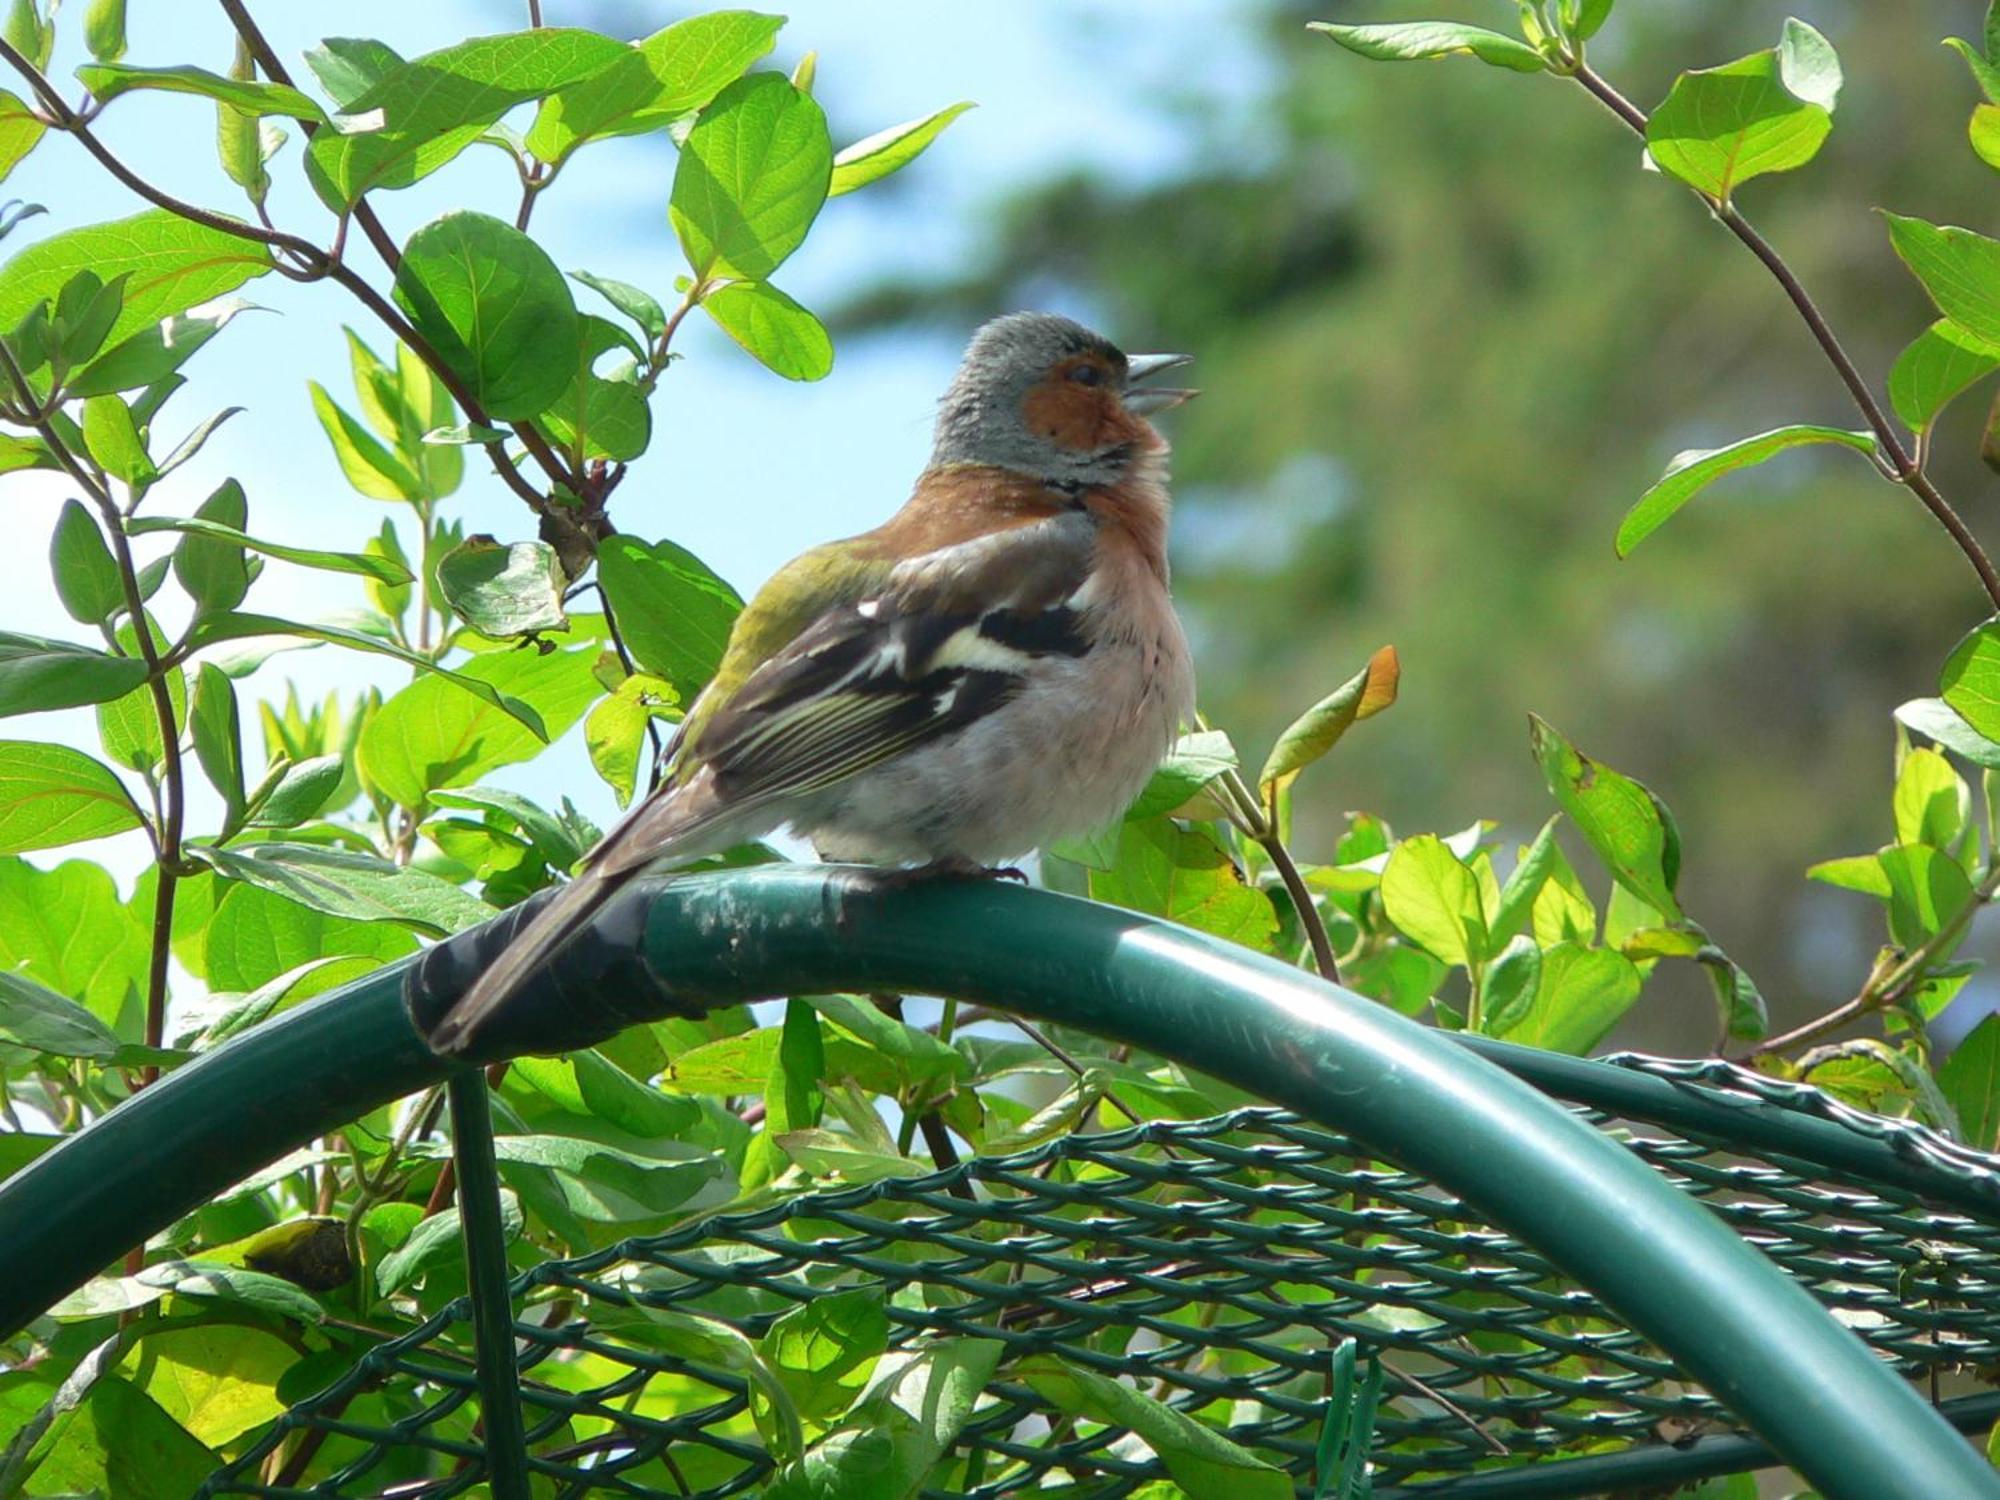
(212, 569)
(1932, 805)
(792, 1095)
(1970, 1079)
(588, 1084)
(218, 738)
(1524, 885)
(51, 795)
(1433, 898)
(1959, 269)
(370, 467)
(254, 937)
(504, 590)
(662, 78)
(302, 791)
(777, 332)
(1201, 1460)
(236, 626)
(1857, 872)
(38, 674)
(129, 726)
(1938, 720)
(889, 150)
(20, 131)
(86, 576)
(1983, 73)
(1630, 828)
(427, 110)
(345, 883)
(637, 305)
(1184, 875)
(1196, 760)
(436, 1242)
(173, 265)
(596, 415)
(67, 930)
(1808, 66)
(600, 1183)
(104, 30)
(554, 839)
(824, 1351)
(1719, 127)
(1696, 469)
(154, 353)
(1319, 728)
(1983, 130)
(753, 173)
(218, 1380)
(1402, 978)
(494, 306)
(376, 566)
(114, 441)
(36, 1017)
(1581, 995)
(247, 96)
(615, 731)
(1510, 985)
(432, 734)
(1940, 363)
(1740, 1007)
(1927, 890)
(897, 1433)
(348, 67)
(674, 613)
(1409, 41)
(119, 1442)
(1970, 682)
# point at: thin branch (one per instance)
(167, 859)
(1253, 820)
(1891, 983)
(625, 661)
(316, 263)
(1905, 468)
(274, 69)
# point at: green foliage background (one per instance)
(1448, 332)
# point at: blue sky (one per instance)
(745, 468)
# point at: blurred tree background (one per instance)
(1448, 331)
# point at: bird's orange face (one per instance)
(1079, 406)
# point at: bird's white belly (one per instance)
(1064, 756)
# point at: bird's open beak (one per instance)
(1143, 367)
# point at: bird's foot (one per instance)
(951, 867)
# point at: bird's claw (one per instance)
(951, 867)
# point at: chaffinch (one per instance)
(995, 667)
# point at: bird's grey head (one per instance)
(1043, 395)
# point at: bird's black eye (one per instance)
(1087, 375)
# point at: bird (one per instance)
(997, 666)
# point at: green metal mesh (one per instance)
(1213, 1263)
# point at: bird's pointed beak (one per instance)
(1143, 367)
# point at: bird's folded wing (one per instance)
(951, 636)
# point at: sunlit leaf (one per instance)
(887, 151)
(1696, 469)
(1412, 40)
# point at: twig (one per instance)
(1260, 826)
(625, 661)
(1890, 983)
(936, 1138)
(167, 846)
(1903, 467)
(315, 263)
(1049, 1045)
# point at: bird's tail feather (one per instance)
(573, 907)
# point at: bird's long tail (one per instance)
(573, 907)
